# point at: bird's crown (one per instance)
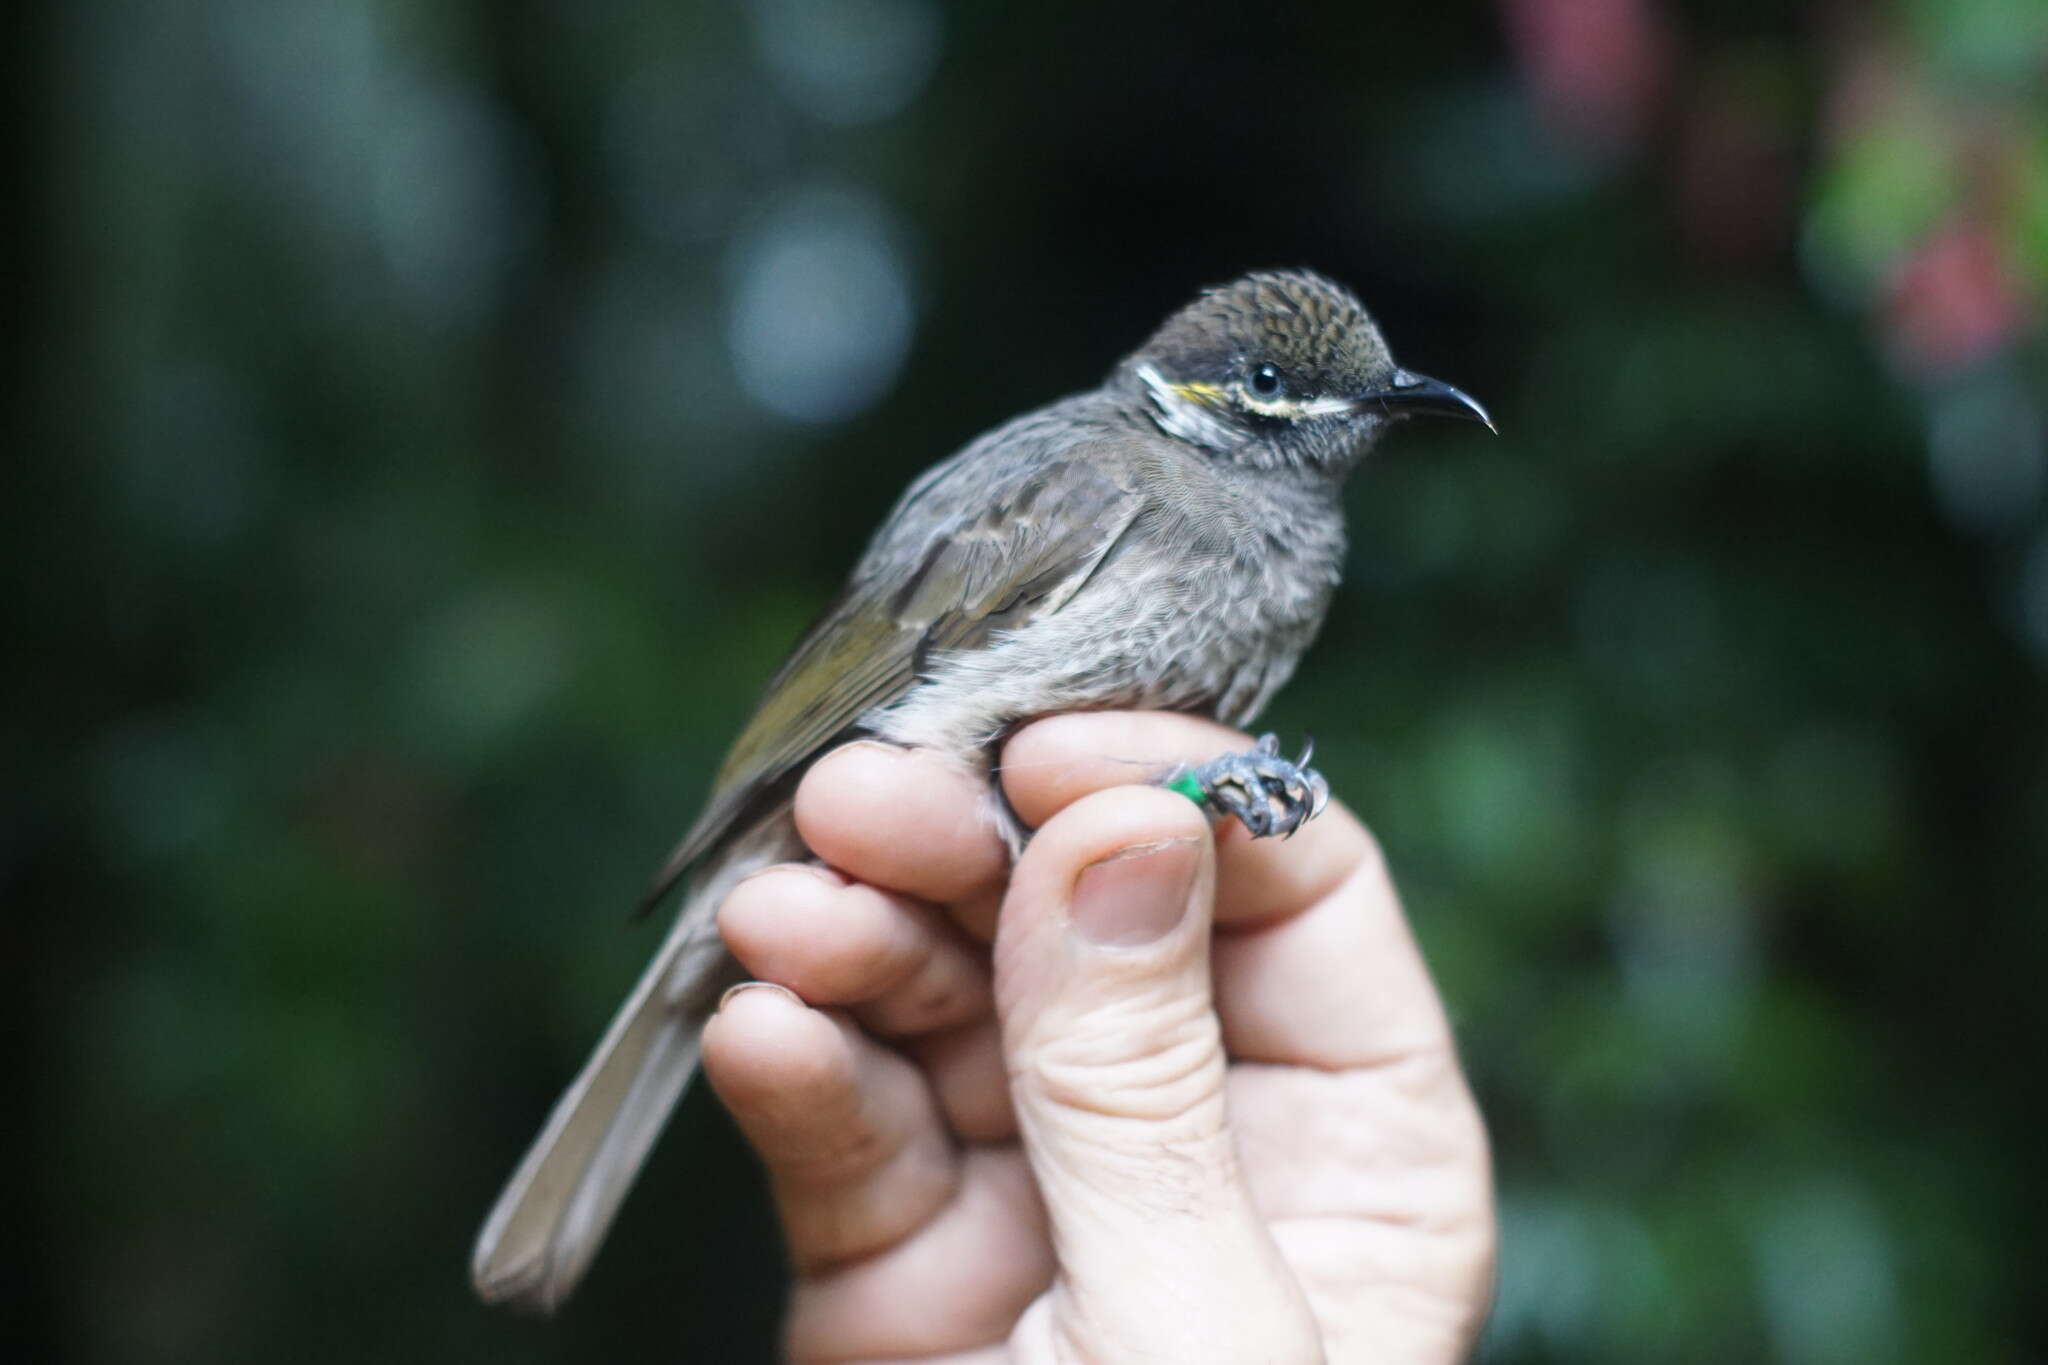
(1271, 343)
(1282, 366)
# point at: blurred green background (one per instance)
(438, 418)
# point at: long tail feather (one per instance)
(554, 1213)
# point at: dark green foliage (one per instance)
(396, 541)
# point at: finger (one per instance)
(1363, 1146)
(835, 942)
(854, 1150)
(1339, 984)
(1117, 1070)
(1367, 1117)
(907, 820)
(1372, 1178)
(959, 1284)
(1318, 967)
(965, 1069)
(898, 963)
(1051, 763)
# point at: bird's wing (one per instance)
(981, 560)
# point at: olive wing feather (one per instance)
(993, 563)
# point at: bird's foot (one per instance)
(1267, 793)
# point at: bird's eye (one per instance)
(1266, 382)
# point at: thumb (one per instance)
(1117, 1071)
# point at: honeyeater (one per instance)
(1169, 540)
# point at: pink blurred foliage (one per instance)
(1955, 296)
(1954, 300)
(1598, 68)
(1609, 76)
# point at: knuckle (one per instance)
(1160, 1062)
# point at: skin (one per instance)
(1199, 1103)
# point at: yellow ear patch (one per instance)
(1209, 394)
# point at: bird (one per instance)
(1169, 540)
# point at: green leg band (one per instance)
(1187, 786)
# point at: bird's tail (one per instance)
(549, 1222)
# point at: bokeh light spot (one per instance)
(1986, 455)
(848, 61)
(821, 307)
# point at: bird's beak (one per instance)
(1409, 394)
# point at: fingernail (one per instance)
(746, 986)
(1136, 895)
(827, 875)
(873, 746)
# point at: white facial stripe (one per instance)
(1182, 416)
(1295, 409)
(1327, 407)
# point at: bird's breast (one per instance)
(1172, 622)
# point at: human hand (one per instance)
(1122, 1138)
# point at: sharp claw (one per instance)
(1261, 790)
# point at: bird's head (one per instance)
(1282, 368)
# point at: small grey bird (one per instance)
(1167, 541)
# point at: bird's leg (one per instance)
(1267, 793)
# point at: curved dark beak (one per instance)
(1417, 395)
